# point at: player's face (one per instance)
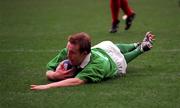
(74, 55)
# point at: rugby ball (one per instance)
(65, 65)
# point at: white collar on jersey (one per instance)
(85, 61)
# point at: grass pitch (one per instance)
(31, 33)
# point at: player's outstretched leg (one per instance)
(125, 48)
(144, 46)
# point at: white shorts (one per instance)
(114, 52)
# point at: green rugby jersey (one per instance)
(100, 66)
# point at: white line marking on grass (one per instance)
(167, 50)
(28, 51)
(55, 50)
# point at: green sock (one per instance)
(129, 56)
(126, 47)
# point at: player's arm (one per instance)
(60, 74)
(63, 83)
(58, 58)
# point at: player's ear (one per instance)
(68, 45)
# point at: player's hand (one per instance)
(65, 73)
(39, 87)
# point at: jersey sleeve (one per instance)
(62, 55)
(90, 75)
